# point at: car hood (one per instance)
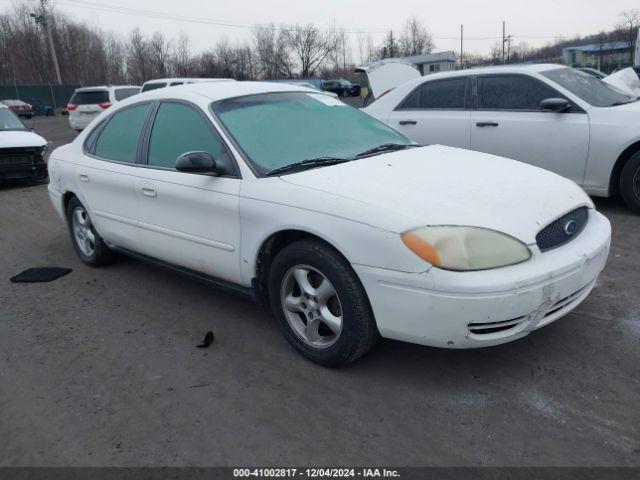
(439, 185)
(15, 139)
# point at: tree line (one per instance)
(89, 55)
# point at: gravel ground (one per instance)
(100, 368)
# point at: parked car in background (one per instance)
(342, 88)
(347, 233)
(174, 82)
(21, 150)
(550, 116)
(19, 107)
(88, 102)
(592, 71)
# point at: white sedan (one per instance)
(346, 228)
(550, 116)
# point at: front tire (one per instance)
(630, 182)
(320, 305)
(88, 244)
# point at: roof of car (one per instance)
(104, 87)
(213, 91)
(187, 79)
(527, 68)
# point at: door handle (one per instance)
(487, 124)
(408, 122)
(149, 192)
(84, 178)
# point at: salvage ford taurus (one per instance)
(21, 150)
(342, 225)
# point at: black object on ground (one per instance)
(40, 275)
(208, 340)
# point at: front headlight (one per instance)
(465, 248)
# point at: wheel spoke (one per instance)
(330, 320)
(79, 217)
(302, 278)
(293, 304)
(324, 292)
(312, 331)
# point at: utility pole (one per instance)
(504, 33)
(508, 40)
(461, 46)
(41, 19)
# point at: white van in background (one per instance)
(88, 102)
(174, 82)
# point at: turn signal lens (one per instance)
(465, 248)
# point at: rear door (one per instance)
(106, 175)
(436, 112)
(508, 121)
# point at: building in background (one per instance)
(606, 57)
(433, 62)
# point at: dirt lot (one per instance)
(100, 368)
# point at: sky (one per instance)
(533, 21)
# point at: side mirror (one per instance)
(196, 162)
(555, 105)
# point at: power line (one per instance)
(245, 25)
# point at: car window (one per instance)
(119, 138)
(590, 89)
(173, 84)
(89, 98)
(178, 129)
(122, 93)
(443, 94)
(511, 92)
(152, 86)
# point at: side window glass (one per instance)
(119, 138)
(443, 95)
(512, 93)
(411, 102)
(179, 129)
(88, 143)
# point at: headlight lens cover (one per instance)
(465, 248)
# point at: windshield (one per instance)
(278, 129)
(589, 88)
(9, 121)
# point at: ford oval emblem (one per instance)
(571, 227)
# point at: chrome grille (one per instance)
(563, 230)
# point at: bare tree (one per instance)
(310, 46)
(390, 46)
(416, 38)
(629, 24)
(181, 56)
(159, 52)
(272, 52)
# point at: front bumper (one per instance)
(479, 309)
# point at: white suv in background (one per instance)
(89, 102)
(174, 82)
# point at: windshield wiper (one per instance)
(386, 147)
(309, 163)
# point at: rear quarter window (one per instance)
(153, 86)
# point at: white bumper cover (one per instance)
(478, 309)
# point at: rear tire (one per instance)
(88, 244)
(320, 305)
(630, 182)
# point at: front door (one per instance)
(189, 220)
(508, 122)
